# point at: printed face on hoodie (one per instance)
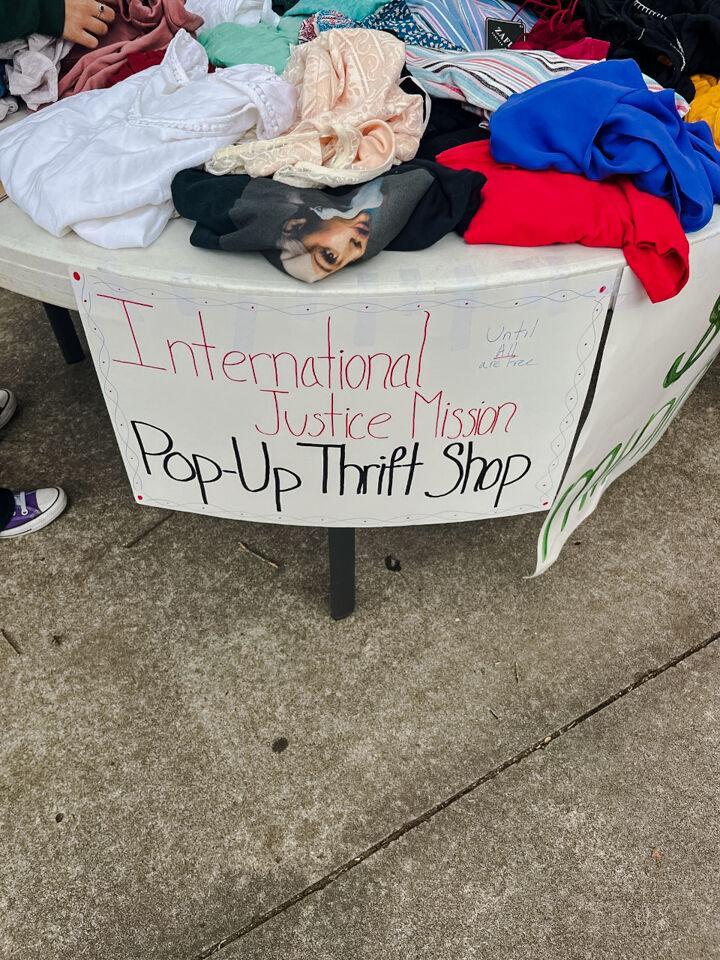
(311, 234)
(331, 244)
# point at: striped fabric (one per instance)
(462, 22)
(487, 78)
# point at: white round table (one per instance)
(37, 265)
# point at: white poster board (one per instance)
(363, 412)
(654, 356)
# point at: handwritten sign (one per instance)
(654, 358)
(329, 411)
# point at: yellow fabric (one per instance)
(706, 105)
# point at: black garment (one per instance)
(432, 146)
(670, 39)
(408, 84)
(310, 233)
(450, 125)
(447, 206)
(7, 507)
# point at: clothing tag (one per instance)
(503, 33)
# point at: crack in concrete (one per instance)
(259, 556)
(13, 643)
(437, 808)
(145, 533)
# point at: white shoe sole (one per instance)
(52, 513)
(8, 412)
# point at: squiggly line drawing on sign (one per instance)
(676, 371)
(587, 485)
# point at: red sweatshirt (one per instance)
(527, 208)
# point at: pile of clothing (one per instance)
(321, 135)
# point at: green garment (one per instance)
(230, 43)
(20, 18)
(355, 9)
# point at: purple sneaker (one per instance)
(34, 509)
(8, 406)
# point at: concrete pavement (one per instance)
(149, 810)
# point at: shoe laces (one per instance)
(21, 502)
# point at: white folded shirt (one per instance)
(101, 163)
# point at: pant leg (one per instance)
(7, 507)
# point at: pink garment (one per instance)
(139, 26)
(355, 120)
(566, 38)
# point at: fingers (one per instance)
(84, 39)
(104, 12)
(86, 20)
(98, 27)
(94, 12)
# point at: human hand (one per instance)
(86, 20)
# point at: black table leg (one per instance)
(65, 333)
(342, 571)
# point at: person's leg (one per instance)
(8, 405)
(7, 507)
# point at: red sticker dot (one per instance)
(546, 503)
(76, 276)
(603, 289)
(139, 496)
